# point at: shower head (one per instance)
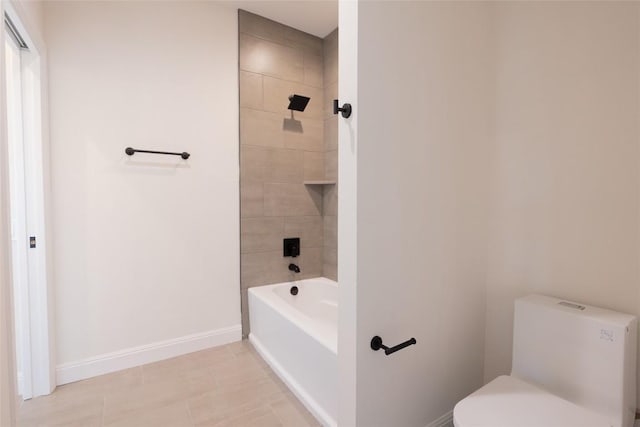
(298, 102)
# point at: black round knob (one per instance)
(129, 151)
(294, 290)
(346, 111)
(376, 343)
(185, 155)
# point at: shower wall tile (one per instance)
(264, 268)
(330, 71)
(244, 310)
(330, 200)
(301, 40)
(330, 231)
(261, 234)
(271, 59)
(251, 199)
(330, 66)
(330, 93)
(331, 165)
(276, 96)
(309, 140)
(284, 166)
(267, 129)
(251, 90)
(312, 263)
(252, 163)
(258, 26)
(264, 234)
(330, 263)
(271, 164)
(260, 128)
(330, 249)
(313, 66)
(267, 29)
(313, 166)
(310, 230)
(280, 149)
(292, 199)
(330, 50)
(330, 133)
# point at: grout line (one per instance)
(104, 409)
(270, 405)
(318, 118)
(267, 147)
(271, 76)
(186, 402)
(261, 92)
(289, 81)
(280, 250)
(264, 199)
(302, 49)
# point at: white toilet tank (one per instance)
(581, 353)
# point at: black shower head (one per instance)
(298, 102)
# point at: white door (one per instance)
(19, 237)
(26, 162)
(412, 207)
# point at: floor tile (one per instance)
(173, 415)
(225, 386)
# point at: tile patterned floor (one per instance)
(223, 387)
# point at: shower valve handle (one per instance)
(345, 110)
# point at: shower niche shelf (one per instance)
(320, 182)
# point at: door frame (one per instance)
(40, 301)
(18, 219)
(348, 341)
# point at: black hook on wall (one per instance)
(345, 110)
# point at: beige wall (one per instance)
(423, 113)
(502, 156)
(278, 156)
(565, 200)
(146, 247)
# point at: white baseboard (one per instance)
(20, 382)
(129, 358)
(444, 421)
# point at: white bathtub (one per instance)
(298, 337)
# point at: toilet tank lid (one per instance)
(508, 401)
(578, 309)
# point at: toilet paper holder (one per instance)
(376, 344)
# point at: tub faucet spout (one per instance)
(294, 268)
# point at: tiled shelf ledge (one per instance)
(319, 183)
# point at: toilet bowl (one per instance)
(510, 402)
(573, 366)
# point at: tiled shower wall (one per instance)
(280, 150)
(330, 199)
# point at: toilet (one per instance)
(573, 365)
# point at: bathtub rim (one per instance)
(265, 293)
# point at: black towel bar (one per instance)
(130, 151)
